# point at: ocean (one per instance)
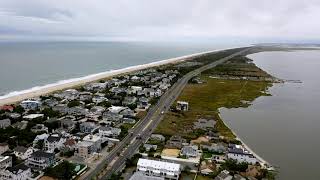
(284, 128)
(28, 65)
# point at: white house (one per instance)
(18, 172)
(109, 132)
(5, 161)
(159, 168)
(31, 117)
(30, 104)
(22, 152)
(53, 142)
(182, 106)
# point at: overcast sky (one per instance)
(160, 20)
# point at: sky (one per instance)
(293, 20)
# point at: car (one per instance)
(162, 112)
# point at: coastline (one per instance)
(15, 97)
(263, 161)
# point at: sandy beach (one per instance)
(47, 89)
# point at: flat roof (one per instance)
(159, 164)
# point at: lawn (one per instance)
(205, 100)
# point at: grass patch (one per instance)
(205, 100)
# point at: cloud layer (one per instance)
(159, 20)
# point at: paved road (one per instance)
(144, 128)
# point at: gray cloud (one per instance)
(159, 20)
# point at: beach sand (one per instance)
(36, 92)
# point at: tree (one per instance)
(48, 112)
(18, 109)
(73, 103)
(63, 171)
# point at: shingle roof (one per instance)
(42, 154)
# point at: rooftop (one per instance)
(159, 164)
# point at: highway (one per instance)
(144, 128)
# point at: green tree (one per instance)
(73, 103)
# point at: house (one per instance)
(224, 175)
(14, 115)
(20, 125)
(109, 132)
(157, 137)
(95, 86)
(116, 109)
(39, 128)
(53, 142)
(88, 127)
(84, 149)
(111, 116)
(67, 124)
(217, 148)
(127, 113)
(50, 102)
(175, 142)
(40, 160)
(134, 89)
(99, 99)
(95, 140)
(61, 108)
(143, 103)
(148, 147)
(98, 110)
(206, 168)
(22, 152)
(237, 152)
(129, 100)
(70, 94)
(4, 147)
(7, 108)
(31, 117)
(190, 151)
(85, 96)
(204, 124)
(78, 111)
(30, 104)
(182, 106)
(156, 168)
(129, 121)
(41, 137)
(4, 123)
(69, 145)
(5, 161)
(18, 172)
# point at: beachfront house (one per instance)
(30, 104)
(239, 153)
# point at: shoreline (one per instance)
(259, 158)
(17, 96)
